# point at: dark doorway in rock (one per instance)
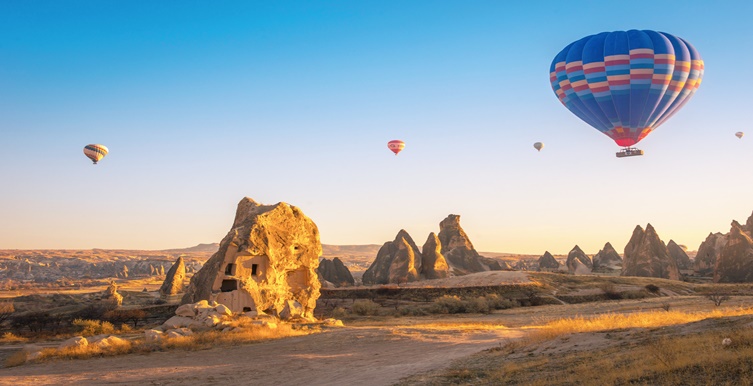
(246, 309)
(230, 269)
(229, 285)
(254, 269)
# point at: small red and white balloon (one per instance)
(396, 146)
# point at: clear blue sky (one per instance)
(202, 103)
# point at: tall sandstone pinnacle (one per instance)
(607, 259)
(578, 262)
(646, 255)
(266, 263)
(677, 253)
(434, 264)
(397, 261)
(735, 262)
(457, 248)
(173, 283)
(708, 253)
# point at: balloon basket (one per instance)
(629, 152)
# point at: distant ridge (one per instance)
(211, 247)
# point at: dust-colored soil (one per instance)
(367, 352)
(347, 356)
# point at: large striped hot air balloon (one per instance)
(396, 146)
(626, 83)
(95, 152)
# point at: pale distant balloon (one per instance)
(538, 146)
(739, 134)
(396, 146)
(95, 152)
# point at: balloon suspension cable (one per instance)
(629, 152)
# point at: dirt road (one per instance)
(344, 356)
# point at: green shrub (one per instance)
(449, 305)
(365, 307)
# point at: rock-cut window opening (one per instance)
(230, 269)
(229, 285)
(254, 269)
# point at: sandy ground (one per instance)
(345, 356)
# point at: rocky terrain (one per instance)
(74, 268)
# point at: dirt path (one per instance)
(346, 356)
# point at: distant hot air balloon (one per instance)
(95, 152)
(396, 146)
(626, 83)
(739, 134)
(538, 146)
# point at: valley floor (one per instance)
(378, 351)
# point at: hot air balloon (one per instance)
(95, 152)
(626, 83)
(739, 134)
(396, 146)
(538, 146)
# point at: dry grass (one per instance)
(10, 337)
(649, 348)
(199, 341)
(612, 321)
(698, 359)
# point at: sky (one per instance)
(203, 103)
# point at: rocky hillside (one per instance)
(64, 268)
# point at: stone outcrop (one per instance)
(335, 272)
(677, 253)
(548, 263)
(607, 260)
(457, 248)
(434, 265)
(646, 255)
(748, 228)
(398, 261)
(173, 283)
(267, 263)
(111, 294)
(578, 262)
(708, 252)
(735, 262)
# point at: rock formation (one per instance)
(548, 263)
(708, 252)
(173, 283)
(646, 255)
(735, 262)
(267, 263)
(578, 262)
(457, 248)
(111, 294)
(607, 259)
(748, 228)
(434, 265)
(398, 261)
(677, 253)
(335, 272)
